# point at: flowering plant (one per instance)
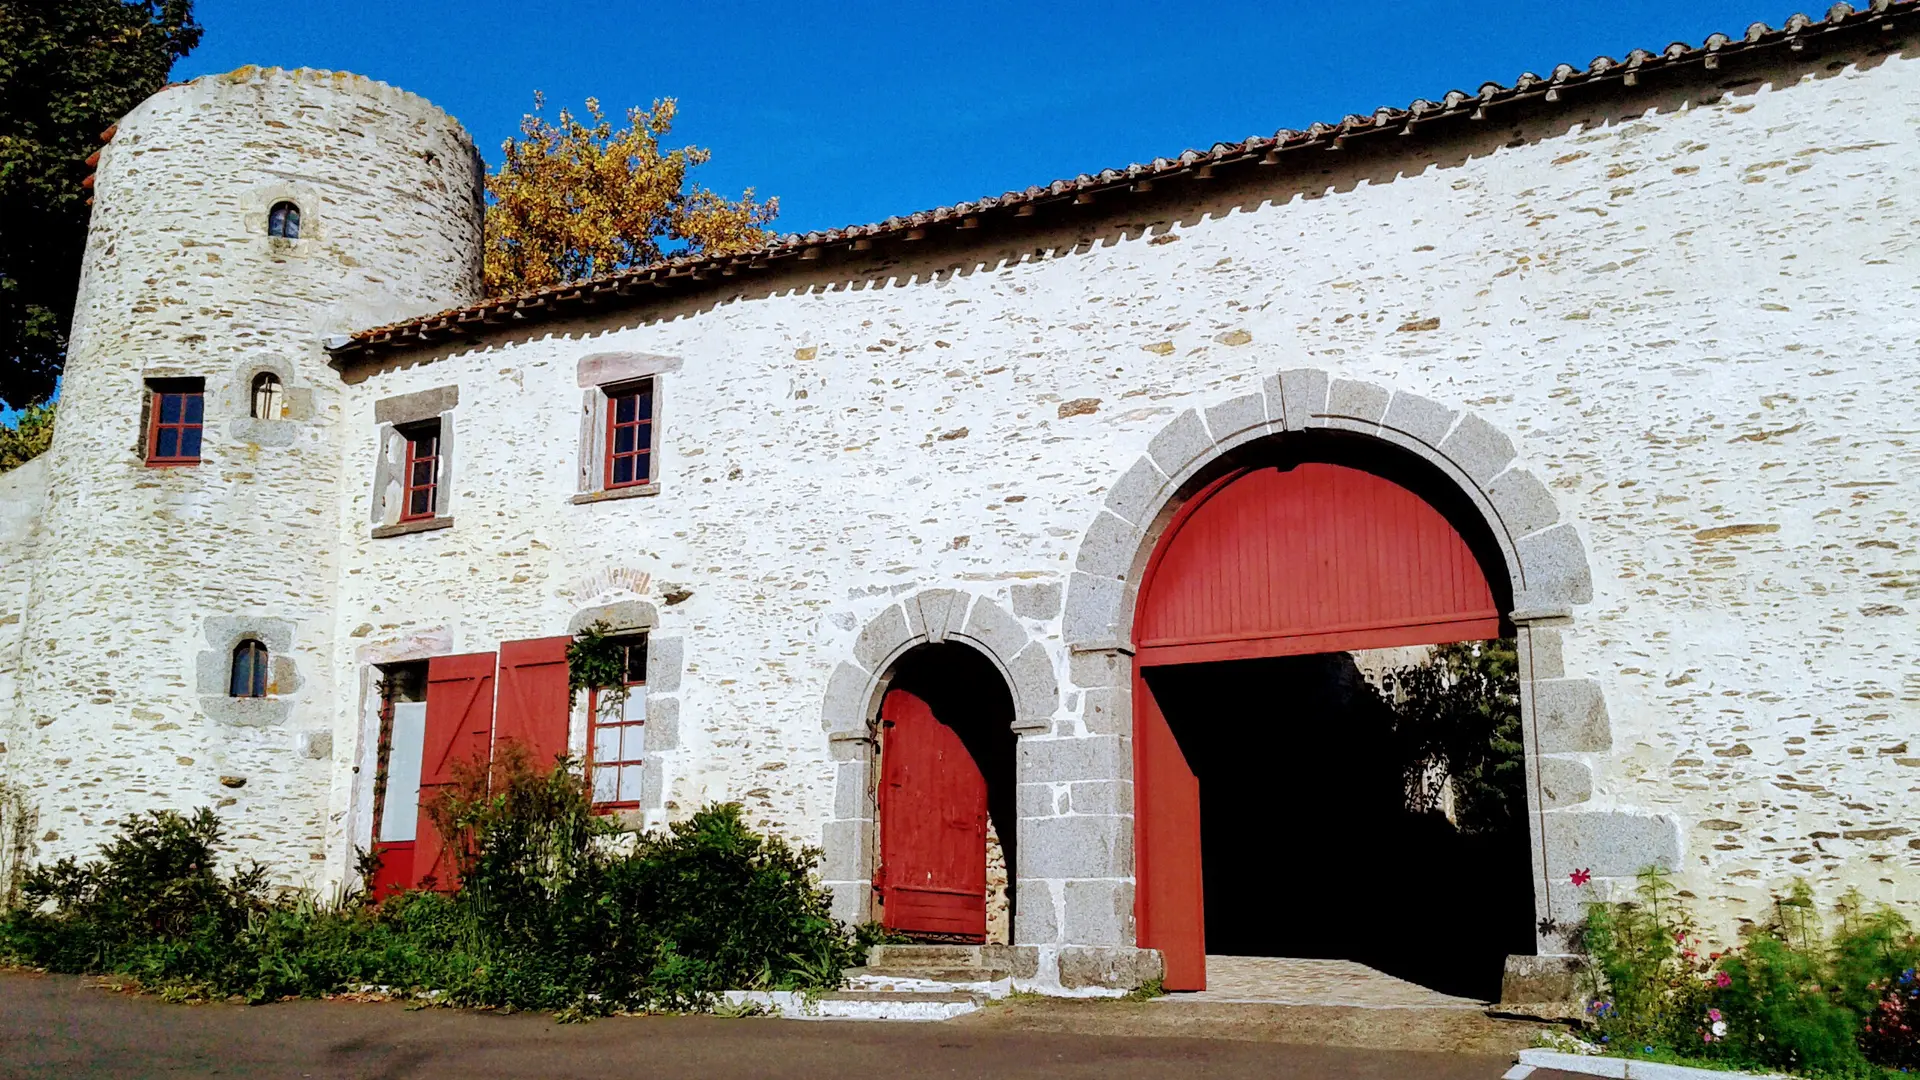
(1789, 997)
(1892, 1035)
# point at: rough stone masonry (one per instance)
(1662, 334)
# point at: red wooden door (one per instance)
(533, 704)
(933, 825)
(396, 869)
(1318, 558)
(459, 731)
(1169, 912)
(1270, 562)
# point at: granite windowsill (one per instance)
(634, 492)
(381, 532)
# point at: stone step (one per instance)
(931, 974)
(981, 962)
(969, 982)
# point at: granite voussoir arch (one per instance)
(931, 617)
(852, 703)
(1545, 557)
(1565, 719)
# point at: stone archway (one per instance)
(854, 692)
(1564, 718)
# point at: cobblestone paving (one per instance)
(1314, 982)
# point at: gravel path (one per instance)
(53, 1026)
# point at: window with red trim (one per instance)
(630, 434)
(175, 417)
(616, 734)
(421, 492)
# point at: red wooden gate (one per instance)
(534, 704)
(1270, 562)
(459, 731)
(933, 825)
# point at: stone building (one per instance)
(1629, 349)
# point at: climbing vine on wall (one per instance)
(597, 660)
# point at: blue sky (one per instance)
(852, 111)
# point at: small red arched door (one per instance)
(932, 878)
(1271, 562)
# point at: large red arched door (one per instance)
(933, 825)
(1271, 562)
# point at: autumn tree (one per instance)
(68, 70)
(27, 438)
(577, 199)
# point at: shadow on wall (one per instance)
(1307, 847)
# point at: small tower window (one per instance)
(268, 401)
(283, 221)
(249, 670)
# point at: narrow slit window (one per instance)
(283, 221)
(269, 403)
(178, 412)
(616, 741)
(421, 494)
(630, 435)
(249, 670)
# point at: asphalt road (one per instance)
(67, 1028)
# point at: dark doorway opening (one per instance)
(969, 697)
(1308, 847)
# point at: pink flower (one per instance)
(1580, 877)
(1722, 980)
(1714, 1015)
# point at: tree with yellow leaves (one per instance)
(577, 199)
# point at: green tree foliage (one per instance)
(1457, 716)
(69, 69)
(28, 438)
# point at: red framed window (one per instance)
(422, 492)
(176, 416)
(630, 435)
(616, 735)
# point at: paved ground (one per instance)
(63, 1027)
(1315, 982)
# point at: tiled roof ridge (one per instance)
(552, 301)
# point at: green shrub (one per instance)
(1456, 719)
(557, 910)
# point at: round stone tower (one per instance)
(237, 221)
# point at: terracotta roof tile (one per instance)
(1602, 72)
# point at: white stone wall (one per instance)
(143, 577)
(22, 490)
(1687, 310)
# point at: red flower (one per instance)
(1581, 877)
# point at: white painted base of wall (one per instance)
(793, 1005)
(1621, 1068)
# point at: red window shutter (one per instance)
(534, 709)
(459, 731)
